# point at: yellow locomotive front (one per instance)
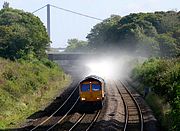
(91, 89)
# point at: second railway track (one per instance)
(133, 115)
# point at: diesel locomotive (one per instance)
(92, 90)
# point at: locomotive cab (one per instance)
(91, 89)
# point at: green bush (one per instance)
(20, 34)
(26, 86)
(163, 76)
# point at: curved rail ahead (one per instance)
(94, 120)
(59, 121)
(81, 118)
(126, 107)
(77, 122)
(44, 121)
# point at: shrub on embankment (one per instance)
(163, 77)
(29, 81)
(25, 87)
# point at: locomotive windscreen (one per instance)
(85, 87)
(96, 87)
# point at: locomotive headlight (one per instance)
(83, 99)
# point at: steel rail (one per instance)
(78, 121)
(55, 111)
(137, 105)
(125, 109)
(94, 120)
(59, 121)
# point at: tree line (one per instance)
(144, 34)
(21, 34)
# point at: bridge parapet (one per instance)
(70, 56)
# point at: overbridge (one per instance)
(70, 56)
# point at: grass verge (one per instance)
(160, 109)
(26, 87)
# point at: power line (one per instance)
(70, 12)
(76, 13)
(39, 9)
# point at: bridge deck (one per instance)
(70, 56)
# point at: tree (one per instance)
(167, 45)
(151, 34)
(22, 33)
(6, 5)
(147, 47)
(75, 45)
(13, 41)
(102, 33)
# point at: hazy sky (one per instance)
(65, 25)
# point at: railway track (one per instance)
(78, 125)
(77, 122)
(133, 114)
(47, 125)
(61, 119)
(85, 121)
(58, 120)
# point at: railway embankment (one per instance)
(158, 81)
(27, 87)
